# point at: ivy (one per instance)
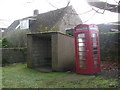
(110, 46)
(5, 43)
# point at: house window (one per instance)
(2, 30)
(24, 24)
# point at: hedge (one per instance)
(110, 46)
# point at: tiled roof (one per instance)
(14, 25)
(48, 19)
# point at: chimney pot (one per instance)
(36, 12)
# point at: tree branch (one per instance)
(101, 5)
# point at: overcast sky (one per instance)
(11, 10)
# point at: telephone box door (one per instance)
(82, 52)
(95, 50)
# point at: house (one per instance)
(58, 20)
(1, 32)
(3, 27)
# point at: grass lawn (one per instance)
(19, 76)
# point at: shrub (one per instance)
(0, 43)
(5, 43)
(109, 46)
(17, 38)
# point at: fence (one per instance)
(13, 55)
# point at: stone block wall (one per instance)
(41, 52)
(13, 55)
(63, 52)
(51, 50)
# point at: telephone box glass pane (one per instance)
(94, 39)
(82, 48)
(95, 57)
(95, 52)
(94, 44)
(94, 35)
(81, 35)
(81, 40)
(94, 48)
(81, 44)
(95, 63)
(82, 57)
(81, 53)
(83, 64)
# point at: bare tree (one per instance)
(105, 5)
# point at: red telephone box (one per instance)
(87, 48)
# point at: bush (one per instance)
(109, 46)
(5, 43)
(0, 43)
(17, 38)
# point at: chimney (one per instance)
(36, 12)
